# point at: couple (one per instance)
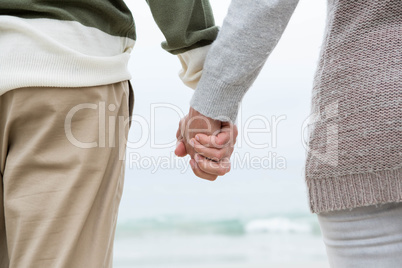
(67, 60)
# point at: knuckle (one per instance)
(219, 154)
(207, 142)
(198, 148)
(200, 175)
(213, 178)
(203, 167)
(221, 172)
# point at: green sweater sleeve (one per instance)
(186, 24)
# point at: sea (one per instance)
(239, 221)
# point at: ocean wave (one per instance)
(232, 227)
(275, 225)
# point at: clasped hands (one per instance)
(209, 142)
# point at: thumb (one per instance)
(180, 149)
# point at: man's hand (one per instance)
(209, 142)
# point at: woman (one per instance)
(354, 163)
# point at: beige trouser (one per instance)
(61, 173)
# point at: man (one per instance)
(64, 110)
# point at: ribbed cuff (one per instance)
(217, 99)
(355, 190)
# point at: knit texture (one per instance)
(355, 143)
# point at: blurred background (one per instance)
(258, 214)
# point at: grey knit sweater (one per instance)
(355, 142)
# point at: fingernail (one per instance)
(192, 164)
(197, 137)
(192, 142)
(197, 157)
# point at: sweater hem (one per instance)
(355, 190)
